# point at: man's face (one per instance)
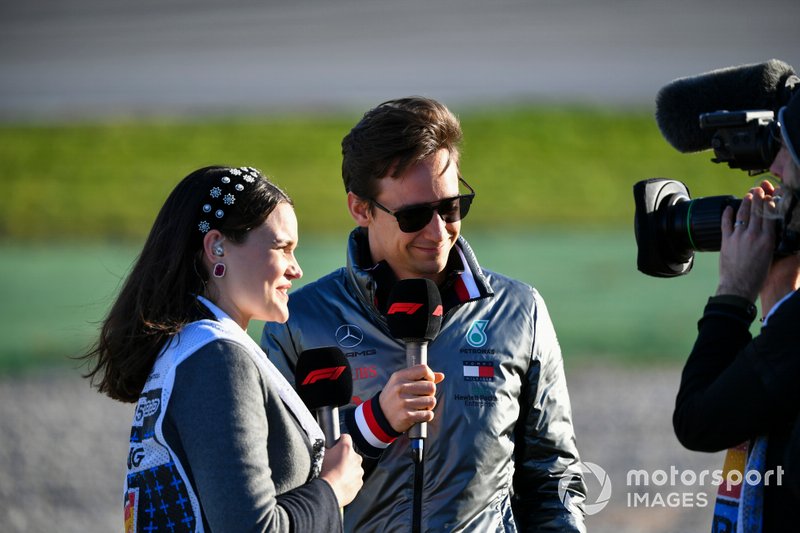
(424, 253)
(785, 168)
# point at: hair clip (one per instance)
(223, 195)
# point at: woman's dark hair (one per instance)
(159, 296)
(394, 135)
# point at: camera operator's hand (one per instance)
(747, 245)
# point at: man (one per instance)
(740, 392)
(499, 439)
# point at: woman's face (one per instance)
(259, 272)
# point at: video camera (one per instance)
(669, 225)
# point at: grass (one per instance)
(531, 166)
(54, 296)
(554, 208)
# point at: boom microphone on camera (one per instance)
(766, 86)
(415, 317)
(324, 382)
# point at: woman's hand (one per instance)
(341, 468)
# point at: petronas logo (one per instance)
(476, 336)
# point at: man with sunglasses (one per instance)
(500, 437)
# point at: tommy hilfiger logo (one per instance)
(478, 371)
(476, 335)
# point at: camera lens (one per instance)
(694, 225)
(670, 226)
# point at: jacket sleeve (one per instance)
(733, 387)
(545, 449)
(218, 413)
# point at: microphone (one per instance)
(761, 86)
(415, 317)
(324, 382)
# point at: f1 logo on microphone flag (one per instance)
(331, 374)
(478, 371)
(408, 308)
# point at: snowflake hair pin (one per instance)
(228, 199)
(204, 226)
(216, 192)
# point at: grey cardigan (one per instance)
(235, 451)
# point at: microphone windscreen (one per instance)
(323, 378)
(415, 310)
(761, 86)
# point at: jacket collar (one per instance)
(372, 282)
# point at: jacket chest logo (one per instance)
(476, 335)
(478, 371)
(349, 336)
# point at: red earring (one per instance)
(219, 270)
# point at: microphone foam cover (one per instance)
(760, 86)
(323, 377)
(414, 310)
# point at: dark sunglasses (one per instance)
(415, 217)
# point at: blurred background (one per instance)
(105, 106)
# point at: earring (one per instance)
(219, 270)
(217, 250)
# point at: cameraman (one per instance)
(738, 390)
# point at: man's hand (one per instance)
(747, 245)
(408, 397)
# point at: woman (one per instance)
(220, 441)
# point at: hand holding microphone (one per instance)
(414, 315)
(408, 397)
(324, 382)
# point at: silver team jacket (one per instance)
(502, 436)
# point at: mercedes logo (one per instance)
(349, 336)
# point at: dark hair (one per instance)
(394, 135)
(159, 296)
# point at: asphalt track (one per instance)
(111, 57)
(63, 448)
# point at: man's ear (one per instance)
(360, 209)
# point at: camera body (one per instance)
(746, 140)
(691, 112)
(669, 225)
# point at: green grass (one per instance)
(54, 296)
(530, 166)
(554, 208)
